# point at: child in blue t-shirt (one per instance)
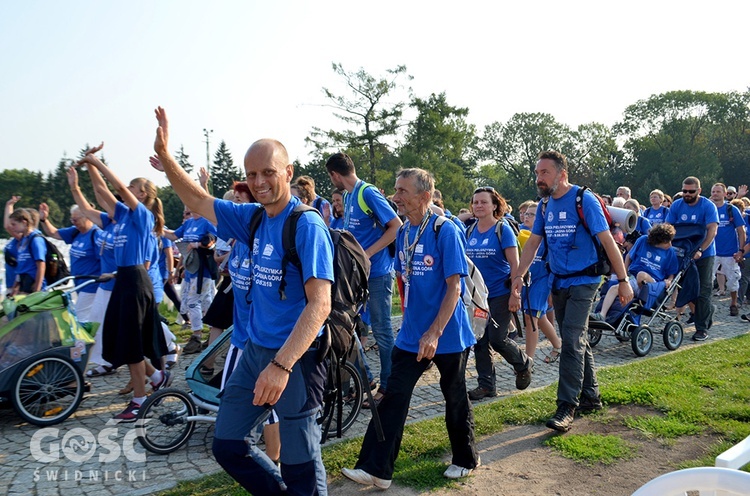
(652, 259)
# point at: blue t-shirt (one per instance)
(657, 262)
(272, 320)
(485, 250)
(152, 256)
(727, 242)
(656, 216)
(365, 229)
(336, 222)
(105, 244)
(436, 258)
(702, 213)
(11, 249)
(132, 231)
(642, 225)
(570, 247)
(193, 231)
(31, 249)
(166, 243)
(241, 273)
(84, 255)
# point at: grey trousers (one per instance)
(577, 374)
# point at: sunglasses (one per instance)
(689, 191)
(484, 189)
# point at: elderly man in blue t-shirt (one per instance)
(693, 208)
(279, 365)
(435, 329)
(571, 252)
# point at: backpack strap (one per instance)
(317, 203)
(289, 244)
(498, 230)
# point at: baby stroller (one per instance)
(168, 417)
(637, 321)
(43, 354)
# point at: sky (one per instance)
(80, 72)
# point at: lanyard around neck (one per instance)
(411, 248)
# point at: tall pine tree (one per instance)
(224, 172)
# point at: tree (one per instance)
(374, 121)
(440, 140)
(182, 158)
(224, 173)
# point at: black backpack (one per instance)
(349, 291)
(55, 267)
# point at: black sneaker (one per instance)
(587, 405)
(481, 392)
(745, 317)
(523, 378)
(700, 336)
(563, 418)
(691, 319)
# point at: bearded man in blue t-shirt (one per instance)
(571, 252)
(435, 329)
(693, 208)
(279, 365)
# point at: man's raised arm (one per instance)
(191, 194)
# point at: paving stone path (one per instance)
(114, 464)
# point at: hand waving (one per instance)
(72, 177)
(161, 142)
(156, 163)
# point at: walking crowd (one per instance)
(543, 272)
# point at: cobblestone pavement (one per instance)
(113, 464)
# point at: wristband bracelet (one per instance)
(622, 280)
(285, 369)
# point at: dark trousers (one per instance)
(378, 457)
(577, 374)
(496, 335)
(704, 310)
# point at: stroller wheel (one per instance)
(642, 340)
(48, 390)
(595, 335)
(673, 335)
(162, 425)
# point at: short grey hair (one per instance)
(423, 179)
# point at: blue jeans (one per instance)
(577, 374)
(381, 293)
(298, 409)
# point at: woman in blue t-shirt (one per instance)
(132, 328)
(32, 252)
(493, 248)
(642, 224)
(84, 255)
(657, 212)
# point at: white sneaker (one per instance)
(456, 472)
(361, 477)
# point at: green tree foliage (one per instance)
(224, 173)
(372, 120)
(172, 207)
(680, 133)
(440, 140)
(182, 158)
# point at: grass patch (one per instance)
(591, 448)
(662, 427)
(706, 386)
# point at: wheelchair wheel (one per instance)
(162, 426)
(48, 390)
(595, 335)
(642, 340)
(353, 393)
(673, 335)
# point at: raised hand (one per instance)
(13, 200)
(43, 210)
(203, 177)
(94, 149)
(742, 190)
(156, 163)
(162, 132)
(72, 177)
